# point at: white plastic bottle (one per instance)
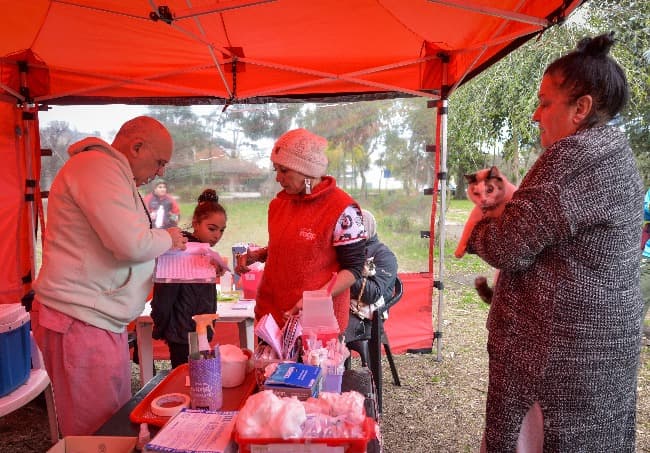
(160, 214)
(225, 282)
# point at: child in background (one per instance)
(174, 304)
(645, 263)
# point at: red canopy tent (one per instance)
(184, 52)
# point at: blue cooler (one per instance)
(15, 347)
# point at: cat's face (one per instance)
(486, 189)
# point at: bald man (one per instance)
(98, 260)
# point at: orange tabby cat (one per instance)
(490, 191)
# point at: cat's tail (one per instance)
(483, 290)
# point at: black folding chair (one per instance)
(370, 350)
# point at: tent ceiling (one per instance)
(207, 51)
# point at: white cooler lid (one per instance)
(12, 316)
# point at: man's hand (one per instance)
(178, 240)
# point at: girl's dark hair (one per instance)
(590, 70)
(208, 203)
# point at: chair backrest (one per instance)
(397, 294)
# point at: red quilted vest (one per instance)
(301, 256)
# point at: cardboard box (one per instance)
(94, 444)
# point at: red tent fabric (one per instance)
(409, 327)
(115, 51)
(231, 51)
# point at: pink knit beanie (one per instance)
(302, 151)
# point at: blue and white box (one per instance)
(295, 379)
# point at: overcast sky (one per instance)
(106, 119)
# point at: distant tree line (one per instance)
(489, 119)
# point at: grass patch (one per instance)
(400, 221)
(469, 299)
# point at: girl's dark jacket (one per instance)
(174, 304)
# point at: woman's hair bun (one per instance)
(209, 195)
(598, 46)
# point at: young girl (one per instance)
(174, 304)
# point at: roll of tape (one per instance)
(169, 404)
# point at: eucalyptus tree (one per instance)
(189, 132)
(243, 126)
(56, 136)
(355, 128)
(630, 22)
(190, 138)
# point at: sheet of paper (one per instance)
(243, 304)
(267, 329)
(194, 264)
(193, 430)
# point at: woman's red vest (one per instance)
(301, 254)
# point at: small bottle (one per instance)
(143, 437)
(225, 281)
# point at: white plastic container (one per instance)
(318, 311)
(15, 347)
(318, 320)
(234, 365)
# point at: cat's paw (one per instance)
(483, 290)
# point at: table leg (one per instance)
(246, 334)
(143, 331)
(375, 357)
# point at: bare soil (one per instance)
(439, 406)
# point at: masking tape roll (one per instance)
(169, 404)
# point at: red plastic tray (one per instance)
(174, 382)
(350, 445)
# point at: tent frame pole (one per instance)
(442, 138)
(440, 185)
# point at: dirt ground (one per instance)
(438, 408)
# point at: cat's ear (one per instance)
(471, 178)
(494, 173)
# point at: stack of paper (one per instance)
(194, 264)
(267, 329)
(194, 431)
(283, 341)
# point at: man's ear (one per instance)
(584, 105)
(135, 147)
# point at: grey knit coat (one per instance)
(565, 320)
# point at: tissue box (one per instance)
(295, 379)
(15, 347)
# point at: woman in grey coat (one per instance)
(564, 325)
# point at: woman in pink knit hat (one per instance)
(315, 231)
